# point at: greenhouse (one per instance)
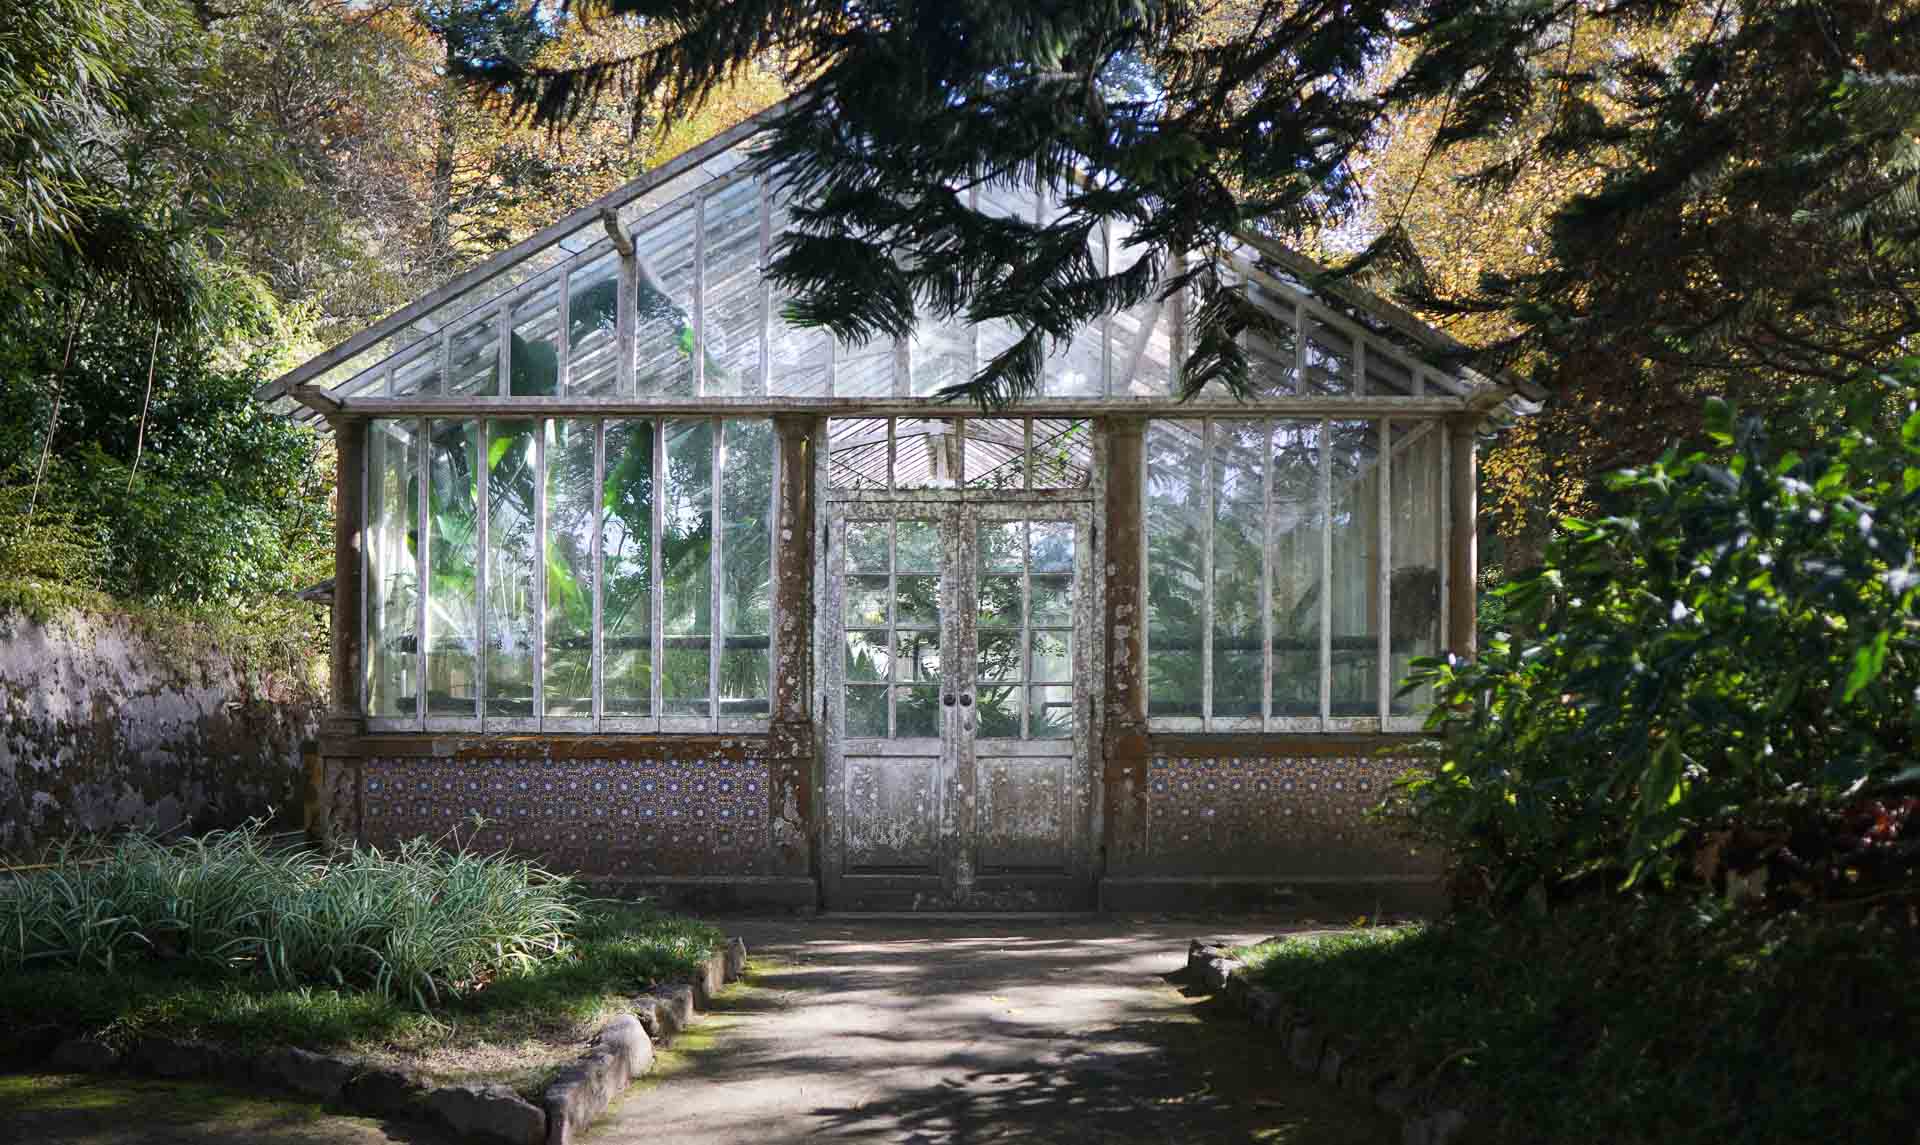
(636, 576)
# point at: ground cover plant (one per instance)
(460, 963)
(1632, 1021)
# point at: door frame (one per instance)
(1076, 889)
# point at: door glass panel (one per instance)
(891, 579)
(867, 546)
(916, 712)
(1051, 713)
(1052, 655)
(999, 711)
(867, 656)
(867, 600)
(999, 601)
(916, 657)
(1025, 581)
(1001, 544)
(917, 600)
(1052, 546)
(1053, 600)
(918, 547)
(866, 711)
(999, 656)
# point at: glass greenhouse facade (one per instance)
(636, 576)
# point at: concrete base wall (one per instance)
(109, 722)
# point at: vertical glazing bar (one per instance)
(1206, 574)
(1106, 320)
(1359, 364)
(624, 295)
(656, 603)
(367, 585)
(446, 362)
(539, 552)
(482, 530)
(1446, 539)
(597, 667)
(1326, 570)
(422, 532)
(1177, 337)
(1144, 618)
(700, 295)
(1299, 346)
(774, 525)
(503, 329)
(892, 445)
(1026, 464)
(1269, 431)
(960, 455)
(716, 466)
(1384, 538)
(1026, 629)
(893, 618)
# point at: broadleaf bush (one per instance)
(1716, 679)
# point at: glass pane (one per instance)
(730, 290)
(916, 712)
(1270, 354)
(999, 657)
(863, 371)
(999, 712)
(453, 478)
(1062, 454)
(1000, 601)
(536, 344)
(746, 556)
(1140, 345)
(393, 598)
(939, 354)
(511, 634)
(1050, 715)
(626, 546)
(925, 453)
(419, 374)
(1173, 504)
(1053, 600)
(686, 569)
(1387, 376)
(1079, 368)
(868, 657)
(866, 546)
(917, 601)
(1296, 530)
(1052, 655)
(799, 359)
(857, 453)
(475, 359)
(1238, 474)
(663, 306)
(996, 453)
(866, 600)
(571, 500)
(1414, 614)
(1329, 360)
(1002, 546)
(1356, 568)
(866, 711)
(593, 315)
(916, 657)
(917, 546)
(1052, 546)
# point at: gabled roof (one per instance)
(358, 366)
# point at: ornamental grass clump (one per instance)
(415, 924)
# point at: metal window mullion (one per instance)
(1026, 467)
(1383, 536)
(773, 542)
(368, 587)
(1206, 575)
(446, 361)
(1359, 365)
(503, 329)
(423, 544)
(1146, 555)
(595, 563)
(625, 293)
(892, 449)
(1299, 347)
(539, 563)
(700, 295)
(893, 617)
(1447, 588)
(1269, 428)
(1106, 320)
(483, 534)
(716, 557)
(1326, 571)
(656, 597)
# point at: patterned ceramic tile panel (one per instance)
(704, 815)
(1285, 815)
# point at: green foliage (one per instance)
(1631, 1022)
(1733, 650)
(419, 924)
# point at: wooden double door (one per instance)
(957, 669)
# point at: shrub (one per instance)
(1719, 676)
(411, 925)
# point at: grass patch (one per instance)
(1633, 1022)
(457, 964)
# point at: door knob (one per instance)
(947, 699)
(966, 701)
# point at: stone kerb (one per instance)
(1427, 1117)
(622, 1051)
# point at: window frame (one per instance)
(1384, 720)
(714, 722)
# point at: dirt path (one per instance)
(73, 1110)
(975, 1031)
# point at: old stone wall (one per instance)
(109, 720)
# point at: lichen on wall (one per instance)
(109, 720)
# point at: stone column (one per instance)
(1123, 740)
(791, 754)
(332, 781)
(1463, 544)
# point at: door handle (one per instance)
(947, 699)
(966, 700)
